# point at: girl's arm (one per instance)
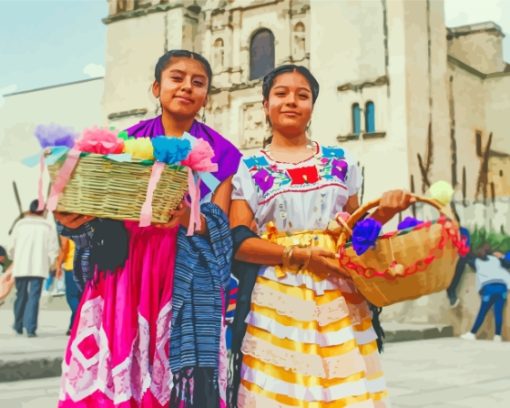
(262, 252)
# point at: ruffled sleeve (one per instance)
(244, 187)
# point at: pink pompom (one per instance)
(100, 141)
(200, 157)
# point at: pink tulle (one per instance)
(100, 141)
(200, 157)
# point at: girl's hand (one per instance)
(71, 220)
(392, 202)
(179, 216)
(318, 260)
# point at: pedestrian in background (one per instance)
(64, 267)
(493, 281)
(33, 248)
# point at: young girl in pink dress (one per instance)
(150, 332)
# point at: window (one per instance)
(370, 117)
(299, 45)
(218, 55)
(356, 119)
(261, 53)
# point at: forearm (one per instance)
(262, 252)
(259, 251)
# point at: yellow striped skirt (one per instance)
(309, 340)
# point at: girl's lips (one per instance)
(184, 100)
(291, 114)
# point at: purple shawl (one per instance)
(226, 155)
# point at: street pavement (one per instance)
(438, 373)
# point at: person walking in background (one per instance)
(64, 267)
(33, 248)
(6, 279)
(493, 281)
(3, 259)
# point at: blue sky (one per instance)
(47, 42)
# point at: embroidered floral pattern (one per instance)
(273, 177)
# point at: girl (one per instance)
(158, 318)
(309, 339)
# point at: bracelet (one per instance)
(307, 262)
(287, 256)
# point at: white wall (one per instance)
(77, 105)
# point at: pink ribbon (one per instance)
(63, 177)
(146, 212)
(40, 194)
(195, 221)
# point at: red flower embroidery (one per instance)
(304, 175)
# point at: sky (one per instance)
(48, 42)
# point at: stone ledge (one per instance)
(396, 332)
(27, 369)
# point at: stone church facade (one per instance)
(414, 100)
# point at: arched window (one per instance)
(356, 119)
(261, 53)
(370, 117)
(218, 55)
(299, 49)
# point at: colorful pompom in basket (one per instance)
(406, 264)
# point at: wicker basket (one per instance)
(406, 264)
(107, 189)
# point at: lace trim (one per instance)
(304, 310)
(310, 336)
(307, 281)
(314, 393)
(307, 364)
(88, 367)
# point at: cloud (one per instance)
(93, 70)
(7, 90)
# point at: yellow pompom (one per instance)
(441, 191)
(140, 148)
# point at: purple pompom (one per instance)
(364, 235)
(408, 222)
(54, 135)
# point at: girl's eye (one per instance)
(198, 83)
(176, 78)
(303, 96)
(280, 93)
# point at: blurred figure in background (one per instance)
(493, 281)
(65, 262)
(33, 248)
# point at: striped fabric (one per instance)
(309, 341)
(202, 274)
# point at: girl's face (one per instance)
(182, 90)
(289, 105)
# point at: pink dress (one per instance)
(117, 355)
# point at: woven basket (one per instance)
(406, 264)
(107, 189)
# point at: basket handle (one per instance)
(363, 209)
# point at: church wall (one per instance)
(468, 99)
(482, 49)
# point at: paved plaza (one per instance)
(436, 373)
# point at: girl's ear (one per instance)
(265, 104)
(156, 88)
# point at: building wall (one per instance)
(76, 105)
(479, 45)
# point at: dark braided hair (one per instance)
(268, 81)
(166, 58)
